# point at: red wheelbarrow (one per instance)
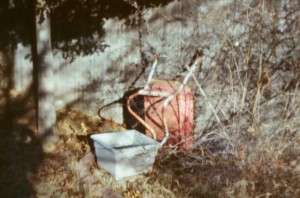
(169, 112)
(168, 109)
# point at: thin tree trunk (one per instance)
(46, 115)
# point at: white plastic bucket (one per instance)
(126, 153)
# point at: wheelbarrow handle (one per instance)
(151, 72)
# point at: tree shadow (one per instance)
(76, 26)
(77, 29)
(21, 151)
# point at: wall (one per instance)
(174, 31)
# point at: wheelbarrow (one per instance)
(131, 152)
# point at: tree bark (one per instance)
(46, 115)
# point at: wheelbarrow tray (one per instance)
(179, 113)
(126, 153)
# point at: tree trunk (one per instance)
(46, 115)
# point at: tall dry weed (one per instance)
(248, 106)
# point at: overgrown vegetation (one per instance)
(248, 146)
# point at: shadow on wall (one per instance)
(75, 26)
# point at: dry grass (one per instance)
(248, 147)
(259, 164)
